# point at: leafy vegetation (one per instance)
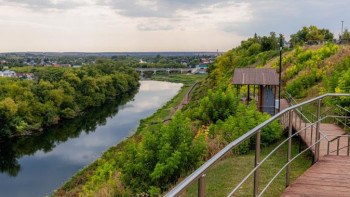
(310, 34)
(60, 93)
(309, 62)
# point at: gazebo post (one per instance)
(254, 92)
(274, 100)
(248, 95)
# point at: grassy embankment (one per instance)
(326, 66)
(74, 186)
(229, 172)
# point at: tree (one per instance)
(346, 34)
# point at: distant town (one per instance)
(198, 62)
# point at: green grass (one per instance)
(227, 173)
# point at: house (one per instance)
(201, 69)
(29, 76)
(76, 66)
(8, 73)
(65, 65)
(184, 62)
(142, 62)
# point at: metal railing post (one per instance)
(201, 186)
(301, 112)
(295, 119)
(317, 147)
(338, 140)
(346, 116)
(348, 145)
(257, 160)
(289, 153)
(305, 133)
(312, 130)
(328, 147)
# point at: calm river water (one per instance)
(36, 165)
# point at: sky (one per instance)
(157, 25)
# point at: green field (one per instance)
(229, 172)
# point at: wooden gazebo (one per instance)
(266, 82)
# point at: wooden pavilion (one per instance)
(265, 81)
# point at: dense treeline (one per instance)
(15, 148)
(311, 34)
(60, 93)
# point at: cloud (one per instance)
(155, 8)
(44, 4)
(289, 16)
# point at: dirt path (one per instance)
(184, 102)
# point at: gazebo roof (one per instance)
(252, 76)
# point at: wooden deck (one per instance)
(330, 176)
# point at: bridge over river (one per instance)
(168, 70)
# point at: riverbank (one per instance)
(74, 186)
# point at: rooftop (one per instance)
(252, 76)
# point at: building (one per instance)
(201, 69)
(29, 76)
(8, 73)
(65, 65)
(76, 66)
(263, 82)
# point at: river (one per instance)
(36, 165)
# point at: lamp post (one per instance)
(280, 73)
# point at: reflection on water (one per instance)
(35, 165)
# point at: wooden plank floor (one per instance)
(330, 176)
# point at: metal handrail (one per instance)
(273, 151)
(303, 116)
(198, 174)
(288, 163)
(328, 116)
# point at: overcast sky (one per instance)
(157, 25)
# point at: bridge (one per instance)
(168, 70)
(324, 136)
